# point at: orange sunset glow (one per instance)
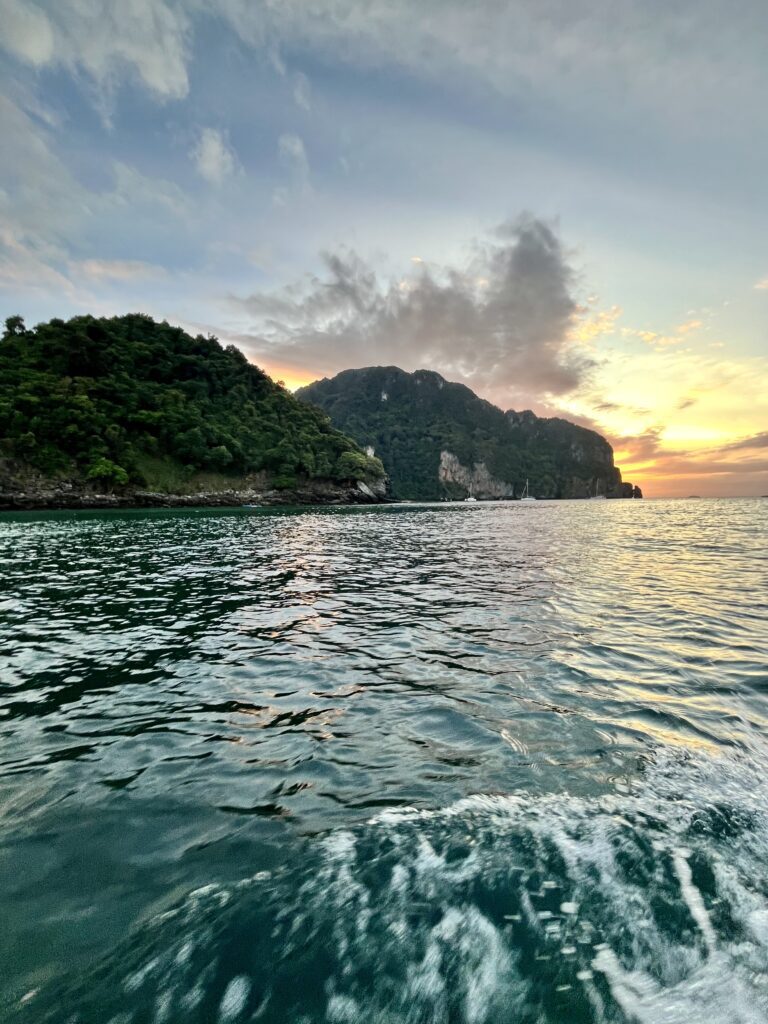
(683, 417)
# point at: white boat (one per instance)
(597, 496)
(525, 496)
(471, 498)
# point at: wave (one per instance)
(649, 905)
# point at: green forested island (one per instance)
(439, 440)
(127, 405)
(125, 410)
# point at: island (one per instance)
(439, 441)
(128, 412)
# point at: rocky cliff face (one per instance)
(462, 481)
(439, 440)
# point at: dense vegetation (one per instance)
(111, 400)
(410, 418)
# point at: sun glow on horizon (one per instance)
(683, 415)
(290, 377)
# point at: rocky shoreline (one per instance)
(41, 498)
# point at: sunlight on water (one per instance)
(400, 764)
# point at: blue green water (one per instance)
(404, 764)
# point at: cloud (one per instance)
(561, 50)
(147, 197)
(762, 286)
(680, 476)
(596, 324)
(755, 441)
(500, 322)
(26, 32)
(24, 268)
(644, 447)
(677, 472)
(690, 325)
(117, 270)
(293, 158)
(213, 157)
(302, 91)
(149, 38)
(659, 341)
(39, 199)
(683, 463)
(728, 467)
(649, 337)
(51, 223)
(292, 154)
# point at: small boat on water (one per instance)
(597, 496)
(471, 498)
(525, 496)
(250, 506)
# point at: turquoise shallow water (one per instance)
(413, 763)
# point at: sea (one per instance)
(436, 764)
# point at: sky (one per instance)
(561, 203)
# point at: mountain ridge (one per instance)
(437, 439)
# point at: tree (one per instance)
(107, 472)
(352, 466)
(219, 457)
(14, 326)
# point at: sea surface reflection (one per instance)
(412, 763)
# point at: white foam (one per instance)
(713, 992)
(162, 1007)
(343, 1010)
(692, 897)
(393, 899)
(234, 999)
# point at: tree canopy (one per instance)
(94, 397)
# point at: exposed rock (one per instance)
(366, 490)
(462, 481)
(44, 494)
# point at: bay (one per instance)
(437, 763)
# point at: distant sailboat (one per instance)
(471, 498)
(525, 496)
(597, 496)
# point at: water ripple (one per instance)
(188, 695)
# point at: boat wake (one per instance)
(648, 906)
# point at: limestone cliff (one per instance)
(461, 481)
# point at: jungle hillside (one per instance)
(439, 440)
(120, 402)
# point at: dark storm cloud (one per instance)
(500, 322)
